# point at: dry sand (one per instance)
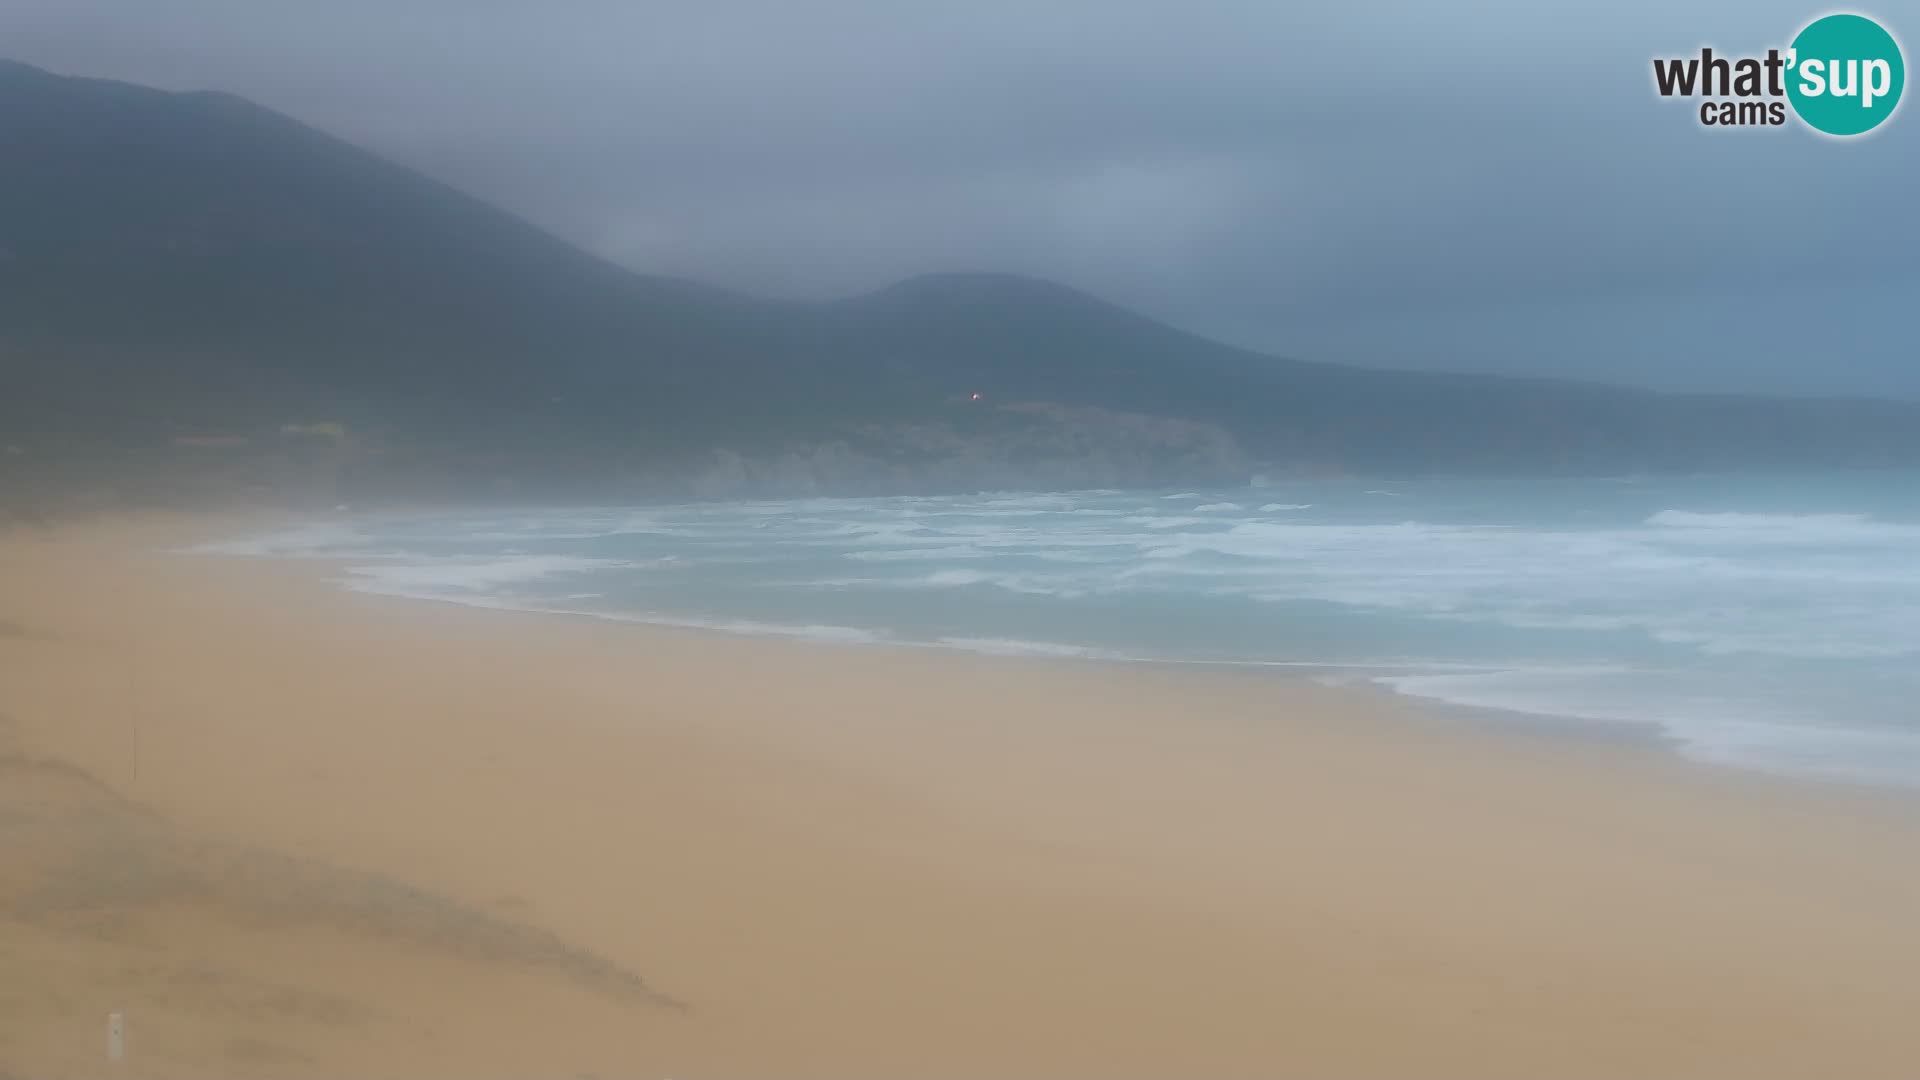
(294, 831)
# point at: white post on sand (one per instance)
(116, 1037)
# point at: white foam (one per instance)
(920, 554)
(546, 524)
(1849, 755)
(1542, 691)
(822, 632)
(1791, 641)
(1688, 519)
(1021, 647)
(956, 578)
(435, 578)
(1712, 730)
(1272, 508)
(316, 538)
(826, 633)
(1219, 507)
(1729, 528)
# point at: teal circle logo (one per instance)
(1845, 74)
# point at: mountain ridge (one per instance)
(190, 261)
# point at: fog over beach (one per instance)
(903, 540)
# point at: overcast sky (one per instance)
(1488, 186)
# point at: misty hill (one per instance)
(194, 267)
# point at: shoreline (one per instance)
(1376, 682)
(1646, 734)
(1728, 681)
(352, 834)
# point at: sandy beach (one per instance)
(291, 830)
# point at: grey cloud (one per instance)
(1409, 183)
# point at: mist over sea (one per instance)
(1769, 622)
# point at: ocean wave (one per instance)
(954, 578)
(1020, 647)
(1826, 533)
(1013, 582)
(827, 633)
(318, 538)
(1690, 519)
(577, 525)
(1786, 641)
(1573, 692)
(1719, 730)
(920, 554)
(435, 577)
(1027, 584)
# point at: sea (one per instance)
(1768, 622)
